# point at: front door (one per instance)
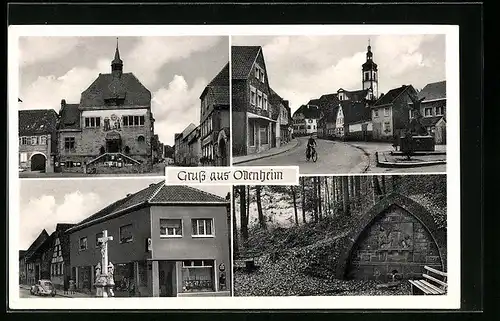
(113, 145)
(38, 162)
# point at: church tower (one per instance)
(370, 73)
(117, 63)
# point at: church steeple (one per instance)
(370, 73)
(117, 63)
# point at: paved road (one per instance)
(333, 158)
(25, 293)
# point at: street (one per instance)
(333, 158)
(336, 157)
(25, 293)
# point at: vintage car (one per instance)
(43, 287)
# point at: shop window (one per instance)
(83, 243)
(202, 227)
(264, 136)
(126, 233)
(198, 276)
(170, 227)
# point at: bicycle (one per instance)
(311, 154)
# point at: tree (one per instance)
(384, 190)
(303, 200)
(294, 197)
(235, 228)
(262, 221)
(243, 214)
(320, 207)
(327, 198)
(345, 192)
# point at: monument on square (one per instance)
(104, 271)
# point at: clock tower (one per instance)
(370, 74)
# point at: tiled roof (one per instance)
(42, 237)
(157, 193)
(21, 254)
(219, 87)
(430, 121)
(70, 117)
(436, 90)
(37, 122)
(106, 86)
(242, 59)
(308, 112)
(63, 226)
(357, 95)
(390, 96)
(188, 129)
(222, 78)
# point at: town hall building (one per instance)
(111, 130)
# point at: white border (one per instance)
(449, 301)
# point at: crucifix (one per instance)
(106, 273)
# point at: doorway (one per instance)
(222, 152)
(167, 279)
(113, 142)
(38, 162)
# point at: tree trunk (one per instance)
(243, 215)
(294, 196)
(303, 200)
(384, 190)
(235, 229)
(345, 189)
(395, 183)
(320, 200)
(376, 189)
(262, 221)
(327, 198)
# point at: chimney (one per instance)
(63, 103)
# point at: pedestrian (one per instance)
(72, 286)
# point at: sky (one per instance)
(174, 69)
(301, 68)
(44, 203)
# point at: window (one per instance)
(141, 139)
(262, 76)
(92, 122)
(251, 134)
(387, 127)
(253, 95)
(375, 113)
(265, 102)
(133, 121)
(202, 227)
(310, 120)
(126, 233)
(264, 135)
(386, 111)
(259, 99)
(69, 144)
(428, 111)
(83, 243)
(439, 111)
(412, 113)
(198, 276)
(308, 126)
(257, 72)
(23, 157)
(170, 227)
(367, 75)
(97, 237)
(43, 140)
(25, 141)
(34, 140)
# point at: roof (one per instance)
(356, 95)
(107, 86)
(61, 227)
(430, 121)
(37, 243)
(242, 59)
(222, 78)
(309, 112)
(22, 253)
(391, 96)
(355, 111)
(188, 130)
(432, 91)
(37, 122)
(219, 87)
(157, 193)
(70, 116)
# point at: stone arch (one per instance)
(222, 148)
(378, 211)
(38, 161)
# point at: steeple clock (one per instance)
(370, 74)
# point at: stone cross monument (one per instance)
(104, 276)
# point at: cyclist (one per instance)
(311, 143)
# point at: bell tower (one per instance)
(370, 73)
(117, 63)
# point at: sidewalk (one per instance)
(271, 152)
(61, 293)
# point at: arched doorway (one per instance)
(397, 236)
(113, 142)
(222, 147)
(38, 162)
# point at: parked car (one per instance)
(43, 287)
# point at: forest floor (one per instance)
(301, 261)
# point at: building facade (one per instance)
(35, 260)
(391, 113)
(284, 124)
(168, 241)
(433, 110)
(111, 129)
(37, 140)
(254, 123)
(305, 120)
(182, 148)
(214, 120)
